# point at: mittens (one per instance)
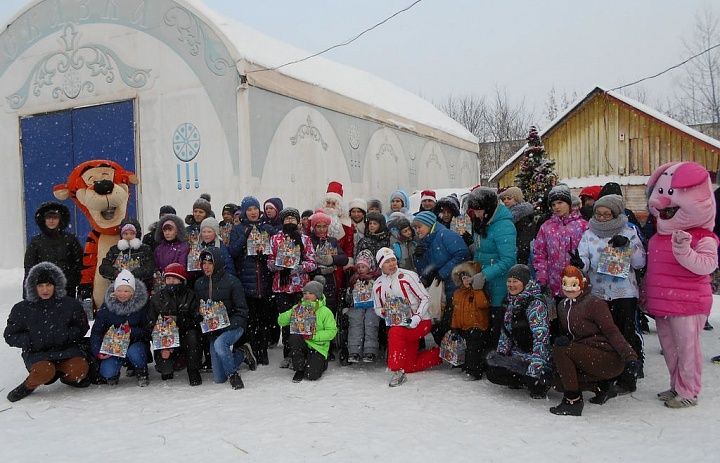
(576, 260)
(478, 281)
(414, 321)
(618, 241)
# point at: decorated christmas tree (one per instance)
(537, 173)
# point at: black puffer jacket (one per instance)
(180, 302)
(46, 330)
(56, 246)
(139, 257)
(226, 288)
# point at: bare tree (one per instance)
(553, 107)
(499, 124)
(698, 100)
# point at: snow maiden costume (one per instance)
(681, 257)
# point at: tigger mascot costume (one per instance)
(101, 189)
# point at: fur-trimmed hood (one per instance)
(470, 267)
(521, 210)
(135, 304)
(52, 206)
(32, 279)
(179, 225)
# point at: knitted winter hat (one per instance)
(576, 202)
(248, 201)
(427, 194)
(289, 211)
(176, 270)
(560, 193)
(448, 202)
(519, 272)
(514, 193)
(375, 217)
(203, 202)
(168, 224)
(610, 188)
(315, 286)
(167, 210)
(212, 223)
(426, 218)
(384, 254)
(615, 203)
(365, 257)
(358, 203)
(230, 207)
(320, 217)
(374, 203)
(126, 227)
(124, 278)
(276, 203)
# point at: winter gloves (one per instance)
(618, 241)
(576, 260)
(414, 321)
(478, 281)
(420, 249)
(632, 367)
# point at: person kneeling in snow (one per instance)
(125, 303)
(309, 353)
(591, 350)
(48, 326)
(403, 341)
(522, 356)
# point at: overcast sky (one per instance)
(441, 47)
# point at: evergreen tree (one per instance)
(537, 173)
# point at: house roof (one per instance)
(255, 51)
(662, 118)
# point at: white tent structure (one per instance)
(189, 100)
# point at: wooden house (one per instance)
(608, 137)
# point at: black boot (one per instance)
(262, 357)
(571, 405)
(604, 392)
(235, 381)
(19, 393)
(143, 379)
(298, 376)
(194, 377)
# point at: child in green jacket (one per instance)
(308, 352)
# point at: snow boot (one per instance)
(285, 363)
(298, 376)
(262, 357)
(571, 405)
(398, 378)
(194, 377)
(250, 359)
(167, 376)
(235, 381)
(604, 392)
(143, 379)
(354, 358)
(369, 358)
(19, 393)
(708, 326)
(473, 376)
(716, 359)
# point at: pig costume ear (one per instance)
(656, 176)
(689, 174)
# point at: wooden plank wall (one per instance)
(605, 137)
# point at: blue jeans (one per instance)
(225, 362)
(136, 355)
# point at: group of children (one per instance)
(352, 283)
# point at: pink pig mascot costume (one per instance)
(681, 257)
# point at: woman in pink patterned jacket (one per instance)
(559, 235)
(290, 269)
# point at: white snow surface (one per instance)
(349, 415)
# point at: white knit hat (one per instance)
(383, 254)
(124, 278)
(358, 203)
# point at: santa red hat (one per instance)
(427, 194)
(335, 191)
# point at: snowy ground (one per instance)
(349, 415)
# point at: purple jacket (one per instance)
(168, 252)
(556, 237)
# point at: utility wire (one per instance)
(668, 69)
(347, 42)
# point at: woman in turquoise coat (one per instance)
(494, 238)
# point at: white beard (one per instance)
(336, 227)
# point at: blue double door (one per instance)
(54, 143)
